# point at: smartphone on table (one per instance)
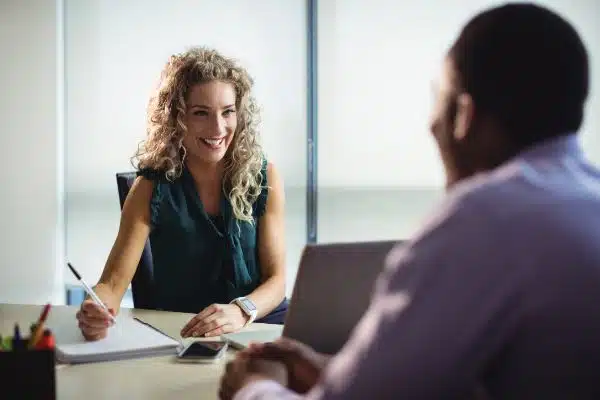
(203, 352)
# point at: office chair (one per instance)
(142, 284)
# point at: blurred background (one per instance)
(345, 88)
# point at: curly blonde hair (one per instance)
(163, 148)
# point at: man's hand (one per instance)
(304, 365)
(243, 370)
(215, 320)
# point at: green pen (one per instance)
(7, 343)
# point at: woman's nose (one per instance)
(218, 125)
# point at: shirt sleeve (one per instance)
(264, 390)
(157, 177)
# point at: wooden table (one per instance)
(146, 378)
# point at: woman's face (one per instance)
(211, 120)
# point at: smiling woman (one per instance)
(209, 201)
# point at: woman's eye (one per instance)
(228, 112)
(200, 112)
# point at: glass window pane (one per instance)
(379, 172)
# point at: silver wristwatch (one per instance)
(247, 307)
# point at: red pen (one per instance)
(39, 329)
(46, 342)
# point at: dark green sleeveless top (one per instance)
(200, 259)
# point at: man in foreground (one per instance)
(499, 292)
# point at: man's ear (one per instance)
(465, 110)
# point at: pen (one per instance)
(157, 330)
(47, 341)
(17, 343)
(90, 292)
(7, 343)
(39, 327)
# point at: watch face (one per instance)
(248, 304)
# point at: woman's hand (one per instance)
(215, 320)
(93, 320)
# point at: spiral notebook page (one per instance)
(127, 339)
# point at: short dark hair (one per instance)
(525, 66)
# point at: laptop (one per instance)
(332, 291)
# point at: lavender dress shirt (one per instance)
(500, 290)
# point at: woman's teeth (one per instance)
(213, 142)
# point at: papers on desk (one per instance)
(129, 338)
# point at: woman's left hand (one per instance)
(215, 320)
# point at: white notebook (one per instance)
(129, 338)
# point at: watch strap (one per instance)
(250, 313)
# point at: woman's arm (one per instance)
(271, 251)
(125, 254)
(122, 261)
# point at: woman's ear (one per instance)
(465, 109)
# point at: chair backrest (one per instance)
(142, 284)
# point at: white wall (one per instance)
(115, 51)
(376, 62)
(32, 245)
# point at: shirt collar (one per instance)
(559, 146)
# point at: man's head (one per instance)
(517, 75)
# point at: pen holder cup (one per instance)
(28, 374)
